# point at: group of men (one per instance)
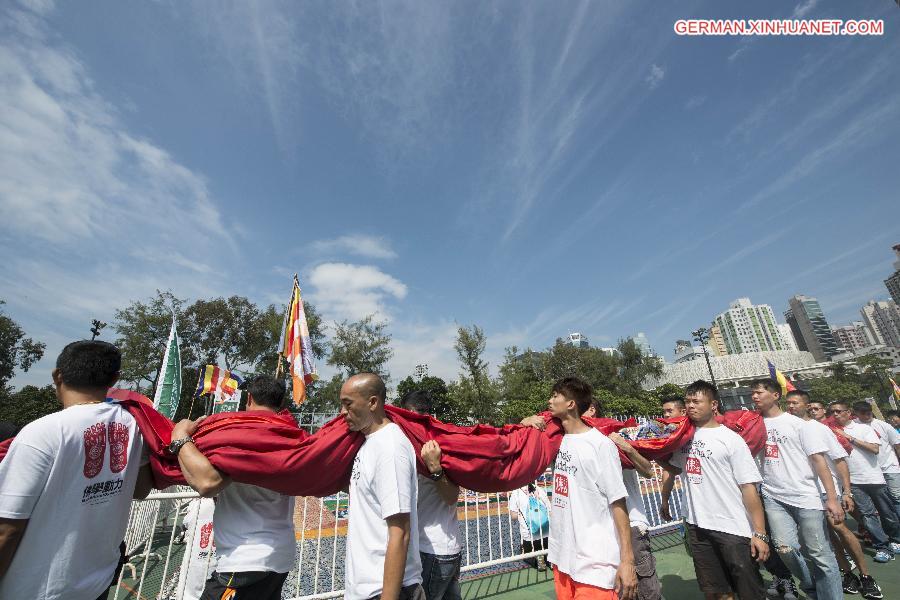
(68, 479)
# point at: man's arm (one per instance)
(395, 556)
(11, 531)
(144, 483)
(641, 464)
(626, 577)
(843, 471)
(447, 490)
(870, 447)
(199, 473)
(832, 505)
(750, 497)
(668, 483)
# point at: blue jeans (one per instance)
(440, 576)
(877, 509)
(893, 484)
(801, 539)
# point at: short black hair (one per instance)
(577, 390)
(814, 401)
(417, 401)
(598, 407)
(678, 401)
(89, 365)
(768, 383)
(7, 430)
(801, 393)
(701, 386)
(267, 391)
(837, 403)
(862, 405)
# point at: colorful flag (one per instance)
(784, 382)
(297, 346)
(896, 397)
(220, 382)
(168, 386)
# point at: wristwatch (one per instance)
(176, 445)
(761, 536)
(436, 476)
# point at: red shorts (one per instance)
(569, 589)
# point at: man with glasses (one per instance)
(867, 483)
(887, 453)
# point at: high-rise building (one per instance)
(893, 282)
(883, 320)
(787, 336)
(810, 327)
(850, 337)
(716, 341)
(578, 340)
(747, 327)
(643, 343)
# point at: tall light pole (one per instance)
(97, 326)
(702, 336)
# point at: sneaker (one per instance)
(789, 590)
(541, 563)
(869, 588)
(851, 561)
(882, 557)
(850, 583)
(774, 589)
(895, 548)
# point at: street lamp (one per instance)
(97, 326)
(702, 335)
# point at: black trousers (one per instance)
(251, 585)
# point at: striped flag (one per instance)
(168, 387)
(297, 346)
(220, 382)
(896, 397)
(784, 382)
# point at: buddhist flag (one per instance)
(168, 387)
(220, 382)
(784, 382)
(297, 346)
(896, 389)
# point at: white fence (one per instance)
(488, 532)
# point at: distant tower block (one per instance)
(421, 371)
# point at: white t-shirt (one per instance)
(72, 474)
(587, 479)
(635, 500)
(519, 505)
(438, 525)
(382, 484)
(715, 463)
(887, 458)
(788, 475)
(254, 529)
(835, 451)
(863, 464)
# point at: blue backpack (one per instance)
(538, 517)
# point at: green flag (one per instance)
(168, 386)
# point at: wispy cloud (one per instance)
(804, 8)
(694, 102)
(746, 251)
(366, 246)
(655, 77)
(349, 291)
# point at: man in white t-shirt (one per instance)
(793, 468)
(843, 540)
(67, 483)
(382, 534)
(253, 527)
(887, 454)
(867, 483)
(436, 511)
(724, 515)
(589, 508)
(529, 506)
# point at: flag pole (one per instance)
(284, 322)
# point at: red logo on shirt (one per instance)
(561, 485)
(205, 533)
(771, 450)
(118, 446)
(94, 449)
(692, 466)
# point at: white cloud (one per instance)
(366, 246)
(348, 291)
(655, 77)
(802, 9)
(694, 102)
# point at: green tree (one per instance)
(474, 395)
(322, 396)
(361, 347)
(28, 404)
(436, 387)
(589, 364)
(875, 373)
(16, 350)
(231, 330)
(829, 389)
(667, 392)
(634, 368)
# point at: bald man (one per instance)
(382, 556)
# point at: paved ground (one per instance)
(675, 570)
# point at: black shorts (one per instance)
(251, 585)
(723, 564)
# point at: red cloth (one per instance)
(749, 425)
(833, 425)
(4, 447)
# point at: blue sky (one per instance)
(534, 168)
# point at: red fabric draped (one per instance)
(833, 425)
(4, 447)
(747, 424)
